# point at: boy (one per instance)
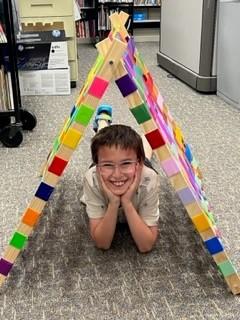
(120, 185)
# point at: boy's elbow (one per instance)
(145, 249)
(103, 246)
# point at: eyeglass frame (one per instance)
(112, 166)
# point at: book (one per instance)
(3, 38)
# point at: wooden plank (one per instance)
(50, 178)
(134, 99)
(2, 279)
(11, 254)
(37, 204)
(24, 229)
(233, 282)
(112, 59)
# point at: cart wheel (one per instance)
(4, 121)
(28, 119)
(11, 137)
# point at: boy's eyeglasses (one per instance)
(124, 166)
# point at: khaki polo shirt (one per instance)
(145, 200)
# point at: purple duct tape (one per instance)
(186, 195)
(5, 267)
(126, 85)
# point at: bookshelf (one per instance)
(146, 20)
(12, 117)
(104, 9)
(94, 24)
(86, 25)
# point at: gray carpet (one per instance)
(61, 275)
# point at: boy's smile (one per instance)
(117, 167)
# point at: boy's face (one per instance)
(117, 167)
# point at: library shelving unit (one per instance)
(12, 117)
(86, 26)
(104, 9)
(146, 20)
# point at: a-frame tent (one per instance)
(119, 60)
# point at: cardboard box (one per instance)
(42, 50)
(45, 82)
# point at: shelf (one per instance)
(7, 113)
(115, 5)
(146, 23)
(146, 6)
(116, 2)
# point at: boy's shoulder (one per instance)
(149, 179)
(91, 177)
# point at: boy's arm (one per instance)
(102, 218)
(102, 229)
(144, 236)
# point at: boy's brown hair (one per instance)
(117, 135)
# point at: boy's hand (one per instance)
(113, 199)
(128, 195)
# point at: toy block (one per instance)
(163, 153)
(186, 195)
(170, 167)
(141, 113)
(30, 217)
(18, 240)
(201, 222)
(44, 191)
(155, 139)
(226, 268)
(71, 138)
(5, 267)
(233, 282)
(178, 181)
(37, 204)
(11, 254)
(98, 87)
(57, 166)
(83, 114)
(134, 99)
(126, 85)
(214, 245)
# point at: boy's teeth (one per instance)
(118, 183)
